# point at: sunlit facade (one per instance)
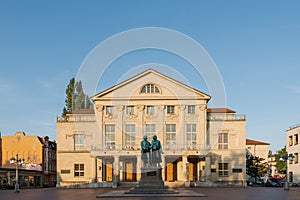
(100, 147)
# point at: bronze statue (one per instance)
(145, 150)
(156, 152)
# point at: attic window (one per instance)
(150, 88)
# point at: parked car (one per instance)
(294, 184)
(251, 181)
(271, 182)
(280, 181)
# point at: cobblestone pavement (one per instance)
(250, 193)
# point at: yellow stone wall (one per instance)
(28, 147)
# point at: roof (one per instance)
(148, 71)
(219, 110)
(254, 142)
(82, 111)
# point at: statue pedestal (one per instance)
(151, 183)
(151, 178)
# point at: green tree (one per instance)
(255, 166)
(281, 165)
(69, 97)
(79, 96)
(88, 103)
(76, 98)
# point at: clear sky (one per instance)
(254, 44)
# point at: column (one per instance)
(138, 167)
(163, 165)
(116, 169)
(181, 141)
(207, 168)
(99, 170)
(121, 171)
(185, 171)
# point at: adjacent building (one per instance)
(39, 154)
(272, 171)
(258, 149)
(101, 147)
(293, 147)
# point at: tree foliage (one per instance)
(76, 98)
(255, 166)
(281, 165)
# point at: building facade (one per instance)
(293, 147)
(39, 166)
(102, 146)
(258, 149)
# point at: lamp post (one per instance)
(17, 161)
(286, 158)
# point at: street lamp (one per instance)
(17, 161)
(285, 158)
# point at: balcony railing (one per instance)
(173, 147)
(90, 118)
(226, 117)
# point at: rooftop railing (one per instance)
(294, 126)
(79, 118)
(226, 117)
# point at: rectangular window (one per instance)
(291, 140)
(223, 169)
(109, 110)
(296, 139)
(78, 142)
(110, 138)
(65, 171)
(130, 135)
(150, 131)
(191, 109)
(170, 134)
(129, 110)
(223, 141)
(296, 158)
(149, 110)
(237, 170)
(170, 109)
(191, 135)
(78, 170)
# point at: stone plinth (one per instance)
(151, 183)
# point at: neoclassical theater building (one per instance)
(101, 147)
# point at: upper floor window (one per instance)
(290, 140)
(109, 110)
(223, 141)
(150, 131)
(129, 110)
(170, 109)
(170, 134)
(191, 135)
(295, 158)
(78, 142)
(149, 110)
(110, 137)
(129, 134)
(296, 139)
(150, 88)
(191, 109)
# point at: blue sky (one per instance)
(255, 45)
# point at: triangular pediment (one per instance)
(168, 88)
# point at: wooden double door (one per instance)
(129, 169)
